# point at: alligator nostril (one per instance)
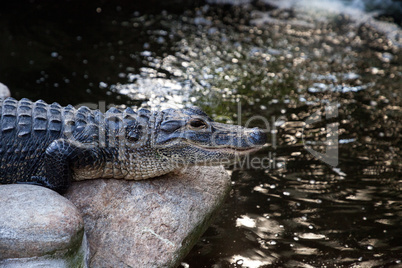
(257, 137)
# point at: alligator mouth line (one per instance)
(227, 149)
(231, 150)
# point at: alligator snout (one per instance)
(257, 137)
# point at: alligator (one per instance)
(51, 145)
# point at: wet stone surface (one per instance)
(149, 223)
(39, 227)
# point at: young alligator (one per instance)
(51, 145)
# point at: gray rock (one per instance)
(39, 228)
(150, 223)
(4, 91)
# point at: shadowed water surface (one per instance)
(287, 208)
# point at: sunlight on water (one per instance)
(251, 262)
(165, 93)
(246, 222)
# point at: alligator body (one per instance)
(51, 145)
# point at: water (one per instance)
(386, 9)
(287, 208)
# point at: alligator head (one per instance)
(146, 144)
(189, 136)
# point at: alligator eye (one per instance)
(197, 123)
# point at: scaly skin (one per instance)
(51, 145)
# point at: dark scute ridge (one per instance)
(40, 116)
(133, 131)
(83, 123)
(54, 112)
(55, 125)
(190, 111)
(8, 114)
(128, 110)
(24, 120)
(82, 110)
(197, 111)
(113, 110)
(24, 100)
(25, 109)
(99, 116)
(8, 123)
(55, 105)
(25, 117)
(39, 124)
(144, 112)
(10, 100)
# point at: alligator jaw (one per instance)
(232, 150)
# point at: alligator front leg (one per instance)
(56, 172)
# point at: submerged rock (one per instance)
(39, 228)
(150, 223)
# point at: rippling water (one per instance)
(310, 77)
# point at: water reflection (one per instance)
(309, 214)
